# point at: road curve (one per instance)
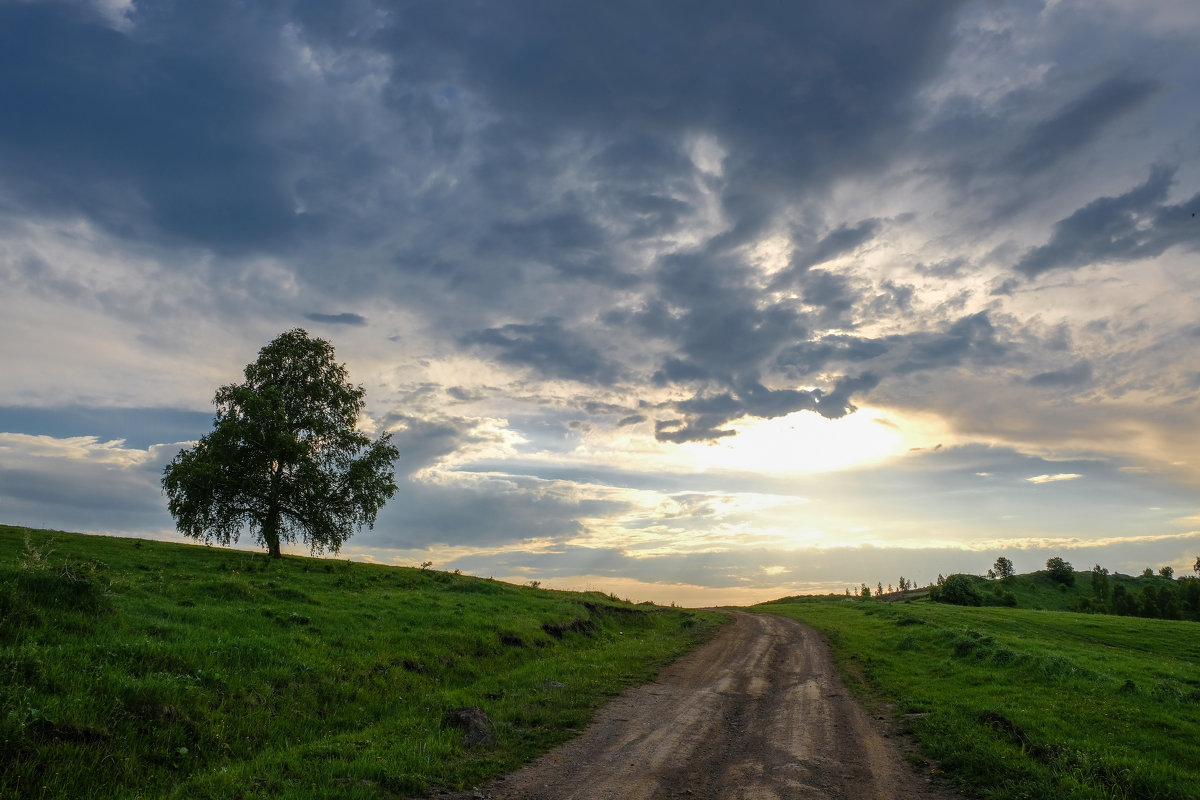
(757, 713)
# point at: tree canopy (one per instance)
(284, 459)
(1061, 571)
(1004, 568)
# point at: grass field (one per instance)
(134, 668)
(1015, 703)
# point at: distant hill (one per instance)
(1150, 596)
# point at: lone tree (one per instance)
(1061, 571)
(1004, 568)
(284, 458)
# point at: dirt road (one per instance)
(758, 713)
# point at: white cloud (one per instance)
(23, 448)
(1062, 476)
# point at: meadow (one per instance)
(133, 668)
(1022, 703)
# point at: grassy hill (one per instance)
(134, 668)
(1040, 592)
(1018, 703)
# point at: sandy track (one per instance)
(757, 713)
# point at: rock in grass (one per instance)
(477, 725)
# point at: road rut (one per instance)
(757, 713)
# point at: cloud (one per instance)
(592, 242)
(345, 318)
(1074, 375)
(703, 415)
(1061, 476)
(1079, 123)
(425, 442)
(972, 337)
(136, 428)
(131, 145)
(548, 348)
(1134, 225)
(465, 509)
(82, 483)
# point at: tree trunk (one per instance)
(271, 533)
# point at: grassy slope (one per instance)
(1037, 591)
(1017, 703)
(131, 668)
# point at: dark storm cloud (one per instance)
(764, 72)
(704, 415)
(845, 239)
(1074, 375)
(808, 358)
(502, 142)
(567, 241)
(1133, 225)
(146, 135)
(344, 318)
(548, 348)
(1080, 122)
(830, 291)
(720, 325)
(973, 338)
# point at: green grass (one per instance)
(136, 668)
(1037, 591)
(1015, 703)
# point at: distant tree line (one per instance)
(1159, 597)
(1150, 595)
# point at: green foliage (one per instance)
(957, 590)
(284, 458)
(1060, 571)
(1013, 703)
(148, 669)
(1123, 603)
(1100, 583)
(1004, 568)
(1167, 572)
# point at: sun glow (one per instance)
(806, 442)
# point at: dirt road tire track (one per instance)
(757, 713)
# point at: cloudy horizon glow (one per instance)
(679, 301)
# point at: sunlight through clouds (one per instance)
(770, 305)
(806, 442)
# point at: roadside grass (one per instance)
(1014, 703)
(133, 668)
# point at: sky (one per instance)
(690, 302)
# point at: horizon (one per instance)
(680, 303)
